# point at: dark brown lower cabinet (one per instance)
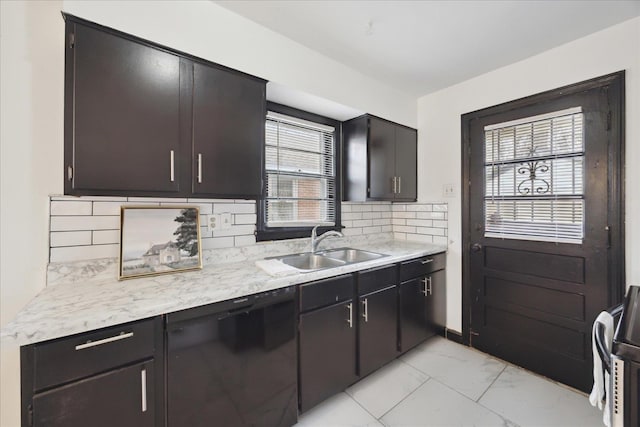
(327, 352)
(123, 397)
(378, 329)
(103, 378)
(413, 310)
(436, 301)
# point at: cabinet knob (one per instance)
(476, 247)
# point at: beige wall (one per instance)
(31, 76)
(613, 49)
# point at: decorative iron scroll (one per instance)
(533, 167)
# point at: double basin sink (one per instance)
(328, 258)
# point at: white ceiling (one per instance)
(419, 47)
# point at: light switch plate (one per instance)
(448, 190)
(225, 221)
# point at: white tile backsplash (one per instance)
(83, 228)
(70, 238)
(77, 223)
(70, 208)
(80, 253)
(103, 237)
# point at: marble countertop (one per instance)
(93, 298)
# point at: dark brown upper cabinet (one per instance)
(145, 120)
(379, 160)
(228, 132)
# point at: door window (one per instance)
(534, 178)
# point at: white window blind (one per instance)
(534, 178)
(300, 169)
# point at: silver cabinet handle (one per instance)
(173, 161)
(350, 319)
(199, 168)
(399, 185)
(365, 309)
(426, 261)
(394, 184)
(89, 344)
(143, 388)
(69, 173)
(427, 289)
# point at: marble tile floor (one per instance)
(441, 383)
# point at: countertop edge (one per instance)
(23, 331)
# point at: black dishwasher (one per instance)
(233, 363)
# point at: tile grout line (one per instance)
(358, 403)
(404, 398)
(492, 383)
(479, 404)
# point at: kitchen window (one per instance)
(300, 174)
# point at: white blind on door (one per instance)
(534, 178)
(299, 163)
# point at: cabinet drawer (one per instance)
(376, 279)
(75, 357)
(422, 266)
(325, 292)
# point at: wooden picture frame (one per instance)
(159, 240)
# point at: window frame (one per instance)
(264, 233)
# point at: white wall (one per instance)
(31, 84)
(204, 29)
(613, 49)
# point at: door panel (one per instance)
(436, 302)
(406, 166)
(378, 340)
(533, 302)
(228, 132)
(413, 322)
(381, 159)
(111, 399)
(126, 114)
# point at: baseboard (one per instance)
(454, 336)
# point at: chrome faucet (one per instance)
(315, 239)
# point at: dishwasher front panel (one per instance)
(233, 368)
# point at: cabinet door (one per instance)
(381, 159)
(327, 356)
(413, 322)
(122, 126)
(228, 132)
(378, 314)
(405, 163)
(436, 301)
(123, 398)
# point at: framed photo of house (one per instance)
(159, 240)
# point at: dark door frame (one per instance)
(614, 83)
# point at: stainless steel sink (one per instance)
(350, 255)
(327, 259)
(308, 261)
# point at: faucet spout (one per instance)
(315, 239)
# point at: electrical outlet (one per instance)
(212, 222)
(448, 190)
